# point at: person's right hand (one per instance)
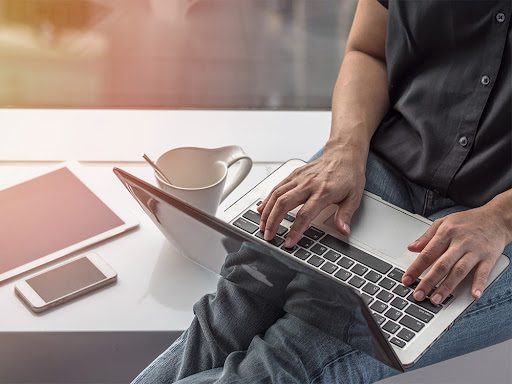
(334, 178)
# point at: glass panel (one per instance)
(232, 54)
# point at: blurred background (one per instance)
(171, 54)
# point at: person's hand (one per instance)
(333, 178)
(454, 246)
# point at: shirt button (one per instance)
(500, 17)
(485, 80)
(463, 141)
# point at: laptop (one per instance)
(348, 287)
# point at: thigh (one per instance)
(227, 320)
(292, 351)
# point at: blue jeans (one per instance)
(236, 338)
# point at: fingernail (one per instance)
(436, 299)
(478, 293)
(414, 244)
(419, 295)
(288, 242)
(407, 280)
(267, 236)
(346, 228)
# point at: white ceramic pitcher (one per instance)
(199, 176)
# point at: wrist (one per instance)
(345, 152)
(501, 206)
(350, 147)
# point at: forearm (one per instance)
(360, 101)
(360, 98)
(502, 207)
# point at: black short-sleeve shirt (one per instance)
(449, 69)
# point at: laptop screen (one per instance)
(253, 272)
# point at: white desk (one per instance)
(110, 335)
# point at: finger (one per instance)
(311, 208)
(435, 248)
(422, 241)
(283, 204)
(345, 212)
(438, 272)
(480, 278)
(278, 192)
(261, 207)
(456, 275)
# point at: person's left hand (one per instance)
(454, 245)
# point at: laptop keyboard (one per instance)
(379, 283)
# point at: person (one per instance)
(421, 115)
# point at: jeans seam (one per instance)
(490, 305)
(330, 363)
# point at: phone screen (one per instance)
(66, 279)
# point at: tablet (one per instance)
(50, 216)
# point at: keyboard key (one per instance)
(387, 283)
(405, 334)
(329, 267)
(393, 314)
(277, 241)
(379, 318)
(447, 300)
(314, 233)
(373, 276)
(391, 327)
(318, 249)
(426, 304)
(399, 303)
(345, 262)
(259, 203)
(386, 335)
(366, 298)
(332, 256)
(281, 230)
(370, 288)
(385, 296)
(290, 250)
(401, 290)
(289, 218)
(359, 269)
(356, 281)
(252, 216)
(315, 260)
(411, 323)
(379, 306)
(305, 242)
(356, 254)
(397, 342)
(302, 254)
(247, 226)
(419, 313)
(342, 274)
(396, 274)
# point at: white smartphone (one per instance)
(65, 281)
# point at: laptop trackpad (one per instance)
(383, 230)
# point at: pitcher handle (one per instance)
(230, 155)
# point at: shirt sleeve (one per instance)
(384, 2)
